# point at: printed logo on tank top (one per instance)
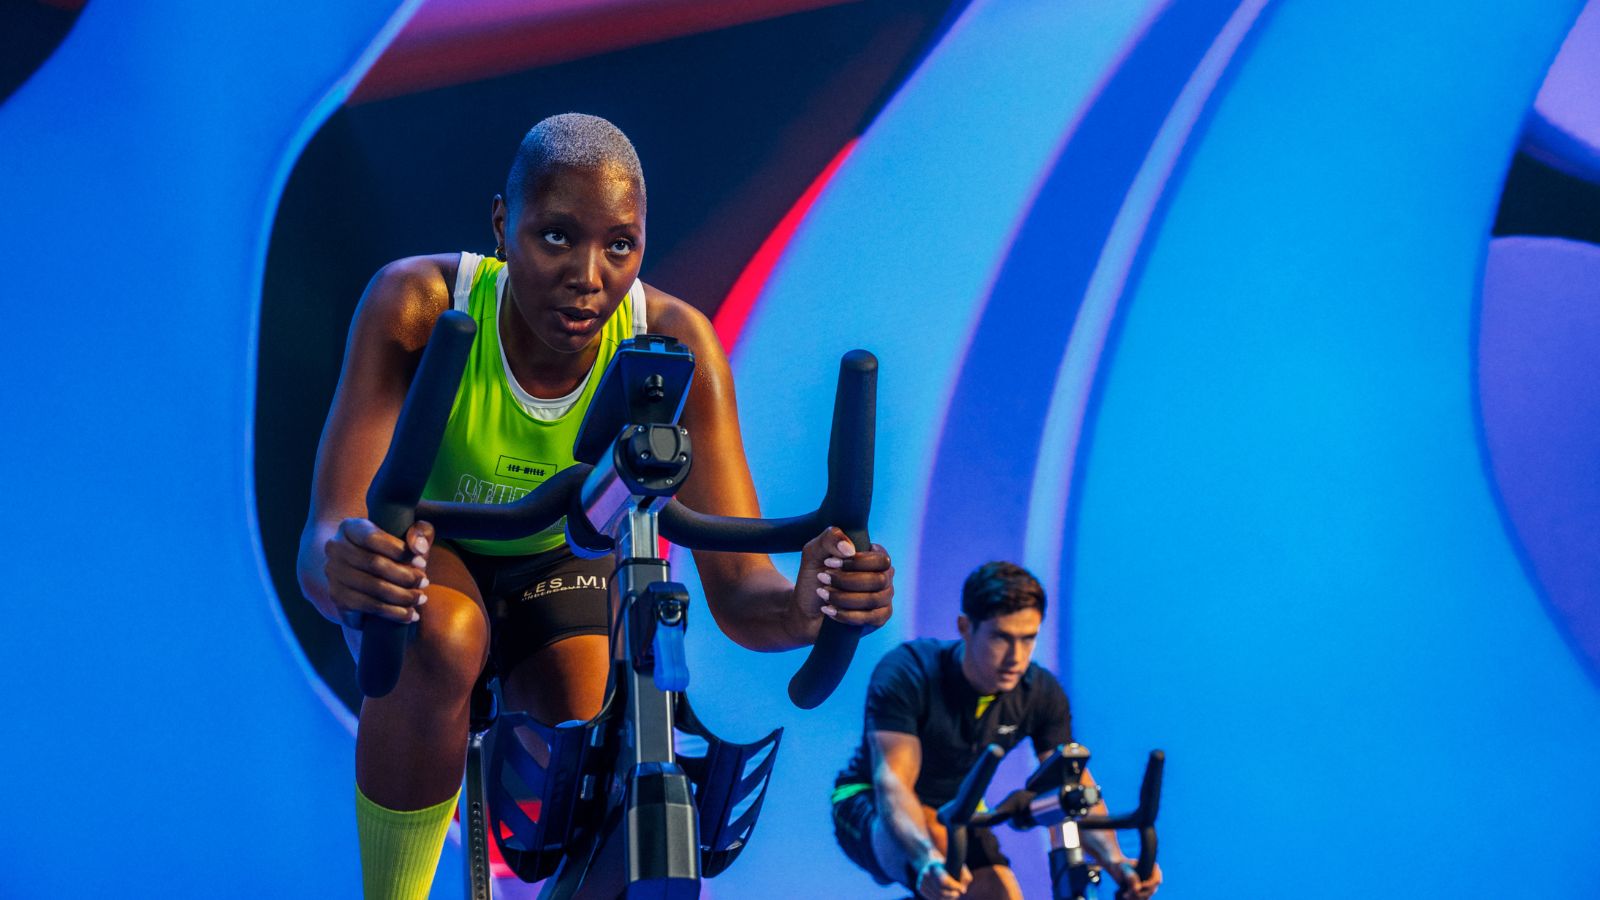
(1007, 729)
(523, 469)
(482, 490)
(472, 489)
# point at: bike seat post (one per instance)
(484, 709)
(474, 821)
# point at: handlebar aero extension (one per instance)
(392, 496)
(958, 813)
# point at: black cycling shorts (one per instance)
(852, 828)
(535, 601)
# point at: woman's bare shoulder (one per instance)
(666, 314)
(407, 296)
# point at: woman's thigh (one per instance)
(562, 681)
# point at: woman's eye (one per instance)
(621, 246)
(554, 237)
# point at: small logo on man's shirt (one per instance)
(1007, 729)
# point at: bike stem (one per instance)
(661, 829)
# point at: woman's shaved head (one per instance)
(571, 140)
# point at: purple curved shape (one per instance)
(1539, 394)
(1564, 128)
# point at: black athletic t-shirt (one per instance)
(918, 688)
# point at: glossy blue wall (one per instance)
(161, 736)
(1243, 451)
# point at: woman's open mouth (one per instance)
(576, 320)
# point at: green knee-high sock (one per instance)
(400, 850)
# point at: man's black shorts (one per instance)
(852, 828)
(535, 601)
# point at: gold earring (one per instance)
(500, 253)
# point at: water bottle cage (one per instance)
(730, 783)
(538, 813)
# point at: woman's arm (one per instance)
(347, 565)
(752, 602)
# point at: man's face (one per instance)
(998, 650)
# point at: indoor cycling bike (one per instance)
(1054, 797)
(555, 797)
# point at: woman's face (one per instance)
(572, 253)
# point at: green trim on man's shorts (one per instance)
(844, 792)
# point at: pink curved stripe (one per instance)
(735, 309)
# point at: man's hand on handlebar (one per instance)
(844, 583)
(1129, 885)
(371, 572)
(935, 883)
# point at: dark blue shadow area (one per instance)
(29, 32)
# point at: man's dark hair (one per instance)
(999, 589)
(574, 140)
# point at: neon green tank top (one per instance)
(502, 442)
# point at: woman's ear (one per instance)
(497, 220)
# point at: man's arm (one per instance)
(752, 602)
(896, 763)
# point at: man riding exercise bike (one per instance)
(932, 708)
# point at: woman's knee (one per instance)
(452, 642)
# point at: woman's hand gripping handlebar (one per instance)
(392, 497)
(393, 500)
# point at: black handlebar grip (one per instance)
(1149, 805)
(392, 497)
(846, 505)
(959, 811)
